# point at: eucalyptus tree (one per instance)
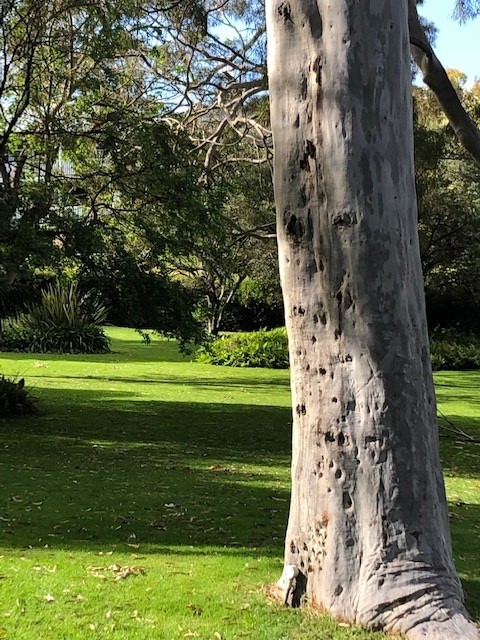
(217, 61)
(436, 78)
(368, 535)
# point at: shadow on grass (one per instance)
(458, 395)
(76, 495)
(102, 472)
(465, 525)
(210, 383)
(126, 351)
(244, 432)
(458, 380)
(471, 589)
(460, 457)
(458, 386)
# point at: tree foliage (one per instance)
(448, 190)
(141, 132)
(466, 10)
(94, 177)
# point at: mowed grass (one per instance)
(149, 497)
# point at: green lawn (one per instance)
(149, 497)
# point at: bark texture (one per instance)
(368, 529)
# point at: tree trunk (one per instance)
(214, 314)
(368, 529)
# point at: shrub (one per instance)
(15, 400)
(16, 337)
(64, 321)
(451, 350)
(257, 349)
(64, 306)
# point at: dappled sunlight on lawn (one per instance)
(180, 469)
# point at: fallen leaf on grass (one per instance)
(20, 602)
(96, 572)
(119, 572)
(124, 572)
(455, 516)
(38, 567)
(79, 597)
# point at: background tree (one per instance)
(241, 232)
(50, 53)
(449, 212)
(85, 142)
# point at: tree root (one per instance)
(417, 610)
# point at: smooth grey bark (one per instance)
(368, 528)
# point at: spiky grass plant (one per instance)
(64, 321)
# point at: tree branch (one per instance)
(436, 78)
(461, 435)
